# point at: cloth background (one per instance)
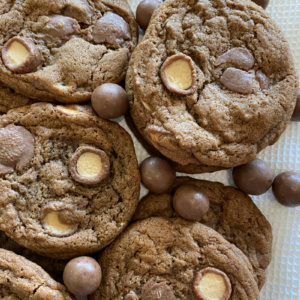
(283, 274)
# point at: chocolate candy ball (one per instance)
(286, 188)
(110, 101)
(144, 12)
(190, 202)
(262, 3)
(82, 275)
(253, 178)
(157, 175)
(296, 113)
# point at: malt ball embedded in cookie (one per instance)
(82, 275)
(296, 113)
(144, 12)
(253, 178)
(89, 165)
(211, 283)
(178, 74)
(110, 101)
(262, 3)
(157, 174)
(286, 188)
(190, 202)
(21, 55)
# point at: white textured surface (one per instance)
(283, 274)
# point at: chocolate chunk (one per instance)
(253, 178)
(296, 113)
(82, 275)
(211, 284)
(240, 58)
(21, 55)
(157, 174)
(144, 12)
(157, 291)
(237, 80)
(89, 165)
(286, 188)
(262, 79)
(190, 202)
(61, 27)
(16, 148)
(111, 29)
(110, 101)
(262, 3)
(178, 74)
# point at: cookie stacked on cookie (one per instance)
(212, 83)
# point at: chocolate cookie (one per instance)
(212, 83)
(70, 180)
(167, 259)
(232, 213)
(64, 49)
(53, 267)
(10, 99)
(23, 279)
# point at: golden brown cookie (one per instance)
(70, 180)
(167, 259)
(245, 89)
(23, 279)
(62, 50)
(232, 213)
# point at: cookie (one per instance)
(10, 99)
(232, 213)
(23, 279)
(70, 181)
(53, 267)
(160, 258)
(238, 86)
(62, 50)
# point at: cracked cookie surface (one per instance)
(42, 207)
(232, 213)
(246, 84)
(161, 258)
(23, 279)
(62, 50)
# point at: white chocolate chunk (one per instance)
(212, 286)
(179, 74)
(52, 221)
(17, 53)
(89, 164)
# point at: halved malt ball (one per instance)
(54, 224)
(21, 55)
(178, 74)
(211, 284)
(89, 165)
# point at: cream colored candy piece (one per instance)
(69, 111)
(55, 225)
(89, 164)
(212, 286)
(179, 74)
(17, 53)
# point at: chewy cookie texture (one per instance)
(62, 50)
(231, 213)
(47, 204)
(160, 258)
(240, 83)
(23, 279)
